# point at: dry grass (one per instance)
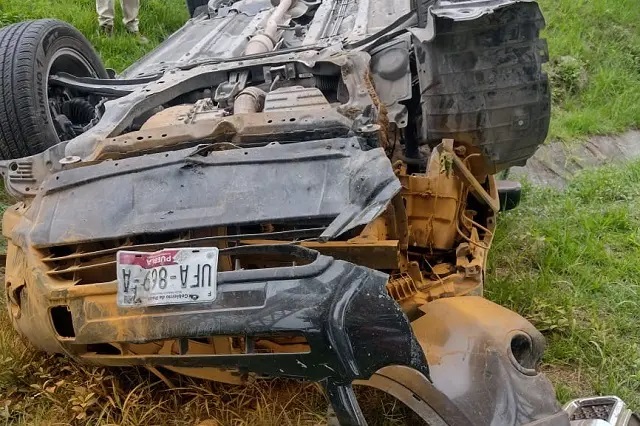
(46, 390)
(37, 389)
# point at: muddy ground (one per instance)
(556, 162)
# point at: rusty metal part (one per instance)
(465, 174)
(249, 101)
(167, 117)
(237, 129)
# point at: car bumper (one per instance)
(355, 333)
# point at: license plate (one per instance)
(167, 277)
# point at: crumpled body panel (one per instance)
(483, 357)
(332, 182)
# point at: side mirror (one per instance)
(509, 193)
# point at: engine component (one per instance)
(295, 98)
(227, 91)
(250, 100)
(79, 110)
(167, 117)
(183, 114)
(266, 41)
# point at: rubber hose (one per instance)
(79, 110)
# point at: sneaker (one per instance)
(106, 30)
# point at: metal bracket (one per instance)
(283, 72)
(468, 178)
(227, 91)
(110, 88)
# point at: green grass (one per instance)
(158, 19)
(568, 261)
(604, 37)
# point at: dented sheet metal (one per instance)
(467, 10)
(493, 353)
(334, 181)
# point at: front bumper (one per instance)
(352, 327)
(327, 301)
(355, 332)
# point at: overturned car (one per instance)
(285, 188)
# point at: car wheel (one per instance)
(30, 52)
(194, 5)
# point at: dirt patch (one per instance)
(554, 164)
(571, 377)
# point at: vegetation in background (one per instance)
(568, 261)
(598, 80)
(158, 19)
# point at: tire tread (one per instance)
(21, 132)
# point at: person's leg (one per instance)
(130, 10)
(106, 13)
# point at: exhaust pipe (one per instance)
(250, 100)
(266, 41)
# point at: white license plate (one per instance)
(167, 277)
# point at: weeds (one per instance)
(568, 262)
(568, 77)
(158, 19)
(603, 39)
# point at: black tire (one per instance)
(29, 52)
(192, 5)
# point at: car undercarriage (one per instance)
(336, 158)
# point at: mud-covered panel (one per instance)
(482, 84)
(324, 301)
(484, 358)
(303, 182)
